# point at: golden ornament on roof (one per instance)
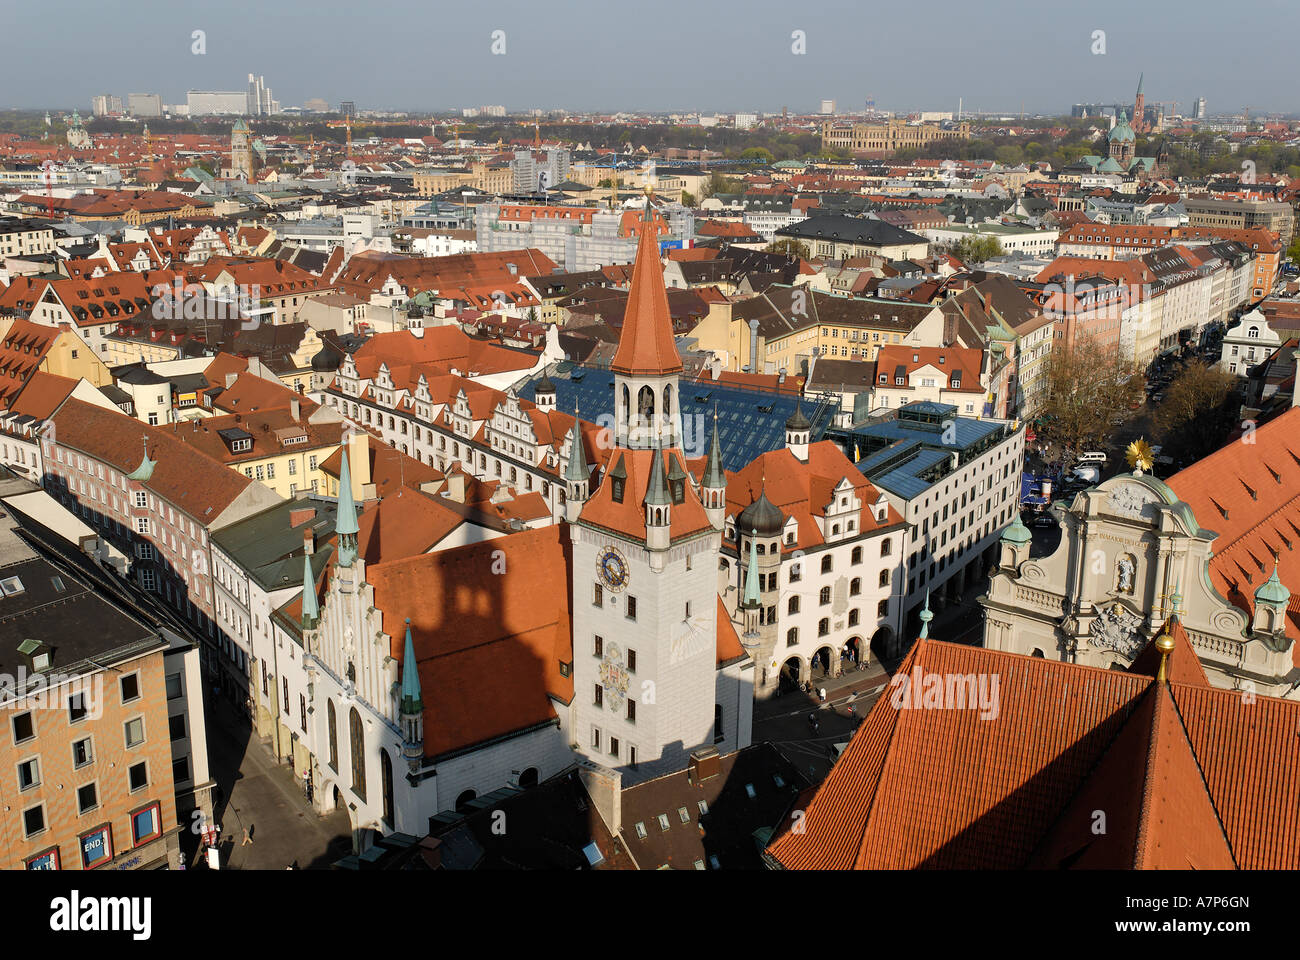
(1140, 455)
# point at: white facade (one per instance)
(1248, 342)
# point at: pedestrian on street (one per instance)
(247, 838)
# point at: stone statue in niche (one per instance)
(1125, 583)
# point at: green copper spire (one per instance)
(346, 524)
(143, 472)
(657, 494)
(577, 469)
(926, 617)
(310, 609)
(1016, 531)
(714, 476)
(751, 573)
(411, 701)
(1273, 590)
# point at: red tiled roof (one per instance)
(646, 346)
(468, 622)
(1249, 494)
(1187, 775)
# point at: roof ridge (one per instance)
(1200, 770)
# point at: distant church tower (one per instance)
(241, 152)
(645, 557)
(1139, 109)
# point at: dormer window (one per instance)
(617, 489)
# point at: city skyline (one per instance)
(447, 61)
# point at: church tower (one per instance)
(1139, 108)
(241, 152)
(645, 556)
(646, 363)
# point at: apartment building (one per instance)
(1242, 214)
(155, 498)
(956, 481)
(104, 739)
(882, 139)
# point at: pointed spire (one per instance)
(714, 476)
(1141, 77)
(1273, 590)
(656, 494)
(347, 516)
(751, 573)
(412, 703)
(346, 523)
(310, 609)
(646, 345)
(577, 469)
(926, 617)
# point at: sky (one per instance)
(666, 55)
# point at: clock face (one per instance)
(611, 567)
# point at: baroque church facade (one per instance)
(1214, 545)
(438, 680)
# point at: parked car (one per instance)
(1043, 522)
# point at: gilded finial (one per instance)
(1165, 644)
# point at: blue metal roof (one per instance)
(750, 422)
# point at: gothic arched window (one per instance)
(358, 749)
(386, 774)
(334, 736)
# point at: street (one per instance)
(265, 798)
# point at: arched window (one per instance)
(855, 586)
(823, 627)
(853, 618)
(386, 775)
(856, 556)
(884, 578)
(668, 400)
(793, 606)
(464, 800)
(1253, 333)
(358, 748)
(528, 778)
(645, 405)
(334, 735)
(792, 637)
(826, 563)
(627, 401)
(825, 596)
(886, 547)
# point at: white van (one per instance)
(1093, 456)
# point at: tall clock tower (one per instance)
(645, 556)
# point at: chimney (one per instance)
(309, 540)
(300, 515)
(703, 765)
(359, 463)
(455, 487)
(605, 787)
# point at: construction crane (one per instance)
(349, 126)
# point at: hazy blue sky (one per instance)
(706, 55)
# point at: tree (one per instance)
(977, 249)
(756, 153)
(1198, 411)
(790, 247)
(1293, 251)
(688, 199)
(720, 184)
(1087, 387)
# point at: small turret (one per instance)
(411, 706)
(713, 486)
(577, 474)
(751, 606)
(346, 524)
(798, 431)
(1271, 600)
(658, 504)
